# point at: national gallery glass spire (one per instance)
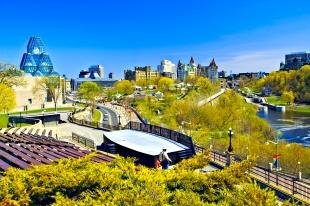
(36, 61)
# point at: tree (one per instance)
(11, 76)
(90, 92)
(204, 85)
(164, 84)
(51, 85)
(7, 98)
(288, 97)
(124, 87)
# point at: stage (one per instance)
(141, 145)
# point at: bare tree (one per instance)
(52, 85)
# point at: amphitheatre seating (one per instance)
(23, 150)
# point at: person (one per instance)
(164, 159)
(158, 164)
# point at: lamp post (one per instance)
(119, 120)
(299, 171)
(230, 149)
(230, 134)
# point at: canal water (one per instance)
(295, 127)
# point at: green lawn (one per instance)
(301, 109)
(276, 100)
(96, 115)
(3, 120)
(46, 110)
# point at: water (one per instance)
(295, 127)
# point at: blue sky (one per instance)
(242, 35)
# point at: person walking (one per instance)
(164, 159)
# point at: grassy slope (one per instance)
(276, 100)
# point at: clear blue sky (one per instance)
(242, 35)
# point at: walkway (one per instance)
(210, 99)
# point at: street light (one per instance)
(230, 134)
(299, 171)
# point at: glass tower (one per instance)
(36, 61)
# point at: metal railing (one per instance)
(96, 125)
(282, 182)
(83, 140)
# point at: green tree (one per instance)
(288, 97)
(124, 87)
(164, 84)
(51, 85)
(204, 85)
(91, 93)
(11, 76)
(7, 98)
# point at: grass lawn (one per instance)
(276, 100)
(3, 120)
(301, 109)
(46, 110)
(97, 115)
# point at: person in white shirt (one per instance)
(164, 159)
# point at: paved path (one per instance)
(210, 99)
(64, 131)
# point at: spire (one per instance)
(213, 63)
(179, 63)
(192, 61)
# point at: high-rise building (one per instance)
(295, 60)
(167, 69)
(36, 61)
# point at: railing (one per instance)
(134, 111)
(163, 132)
(96, 125)
(83, 140)
(279, 181)
(21, 119)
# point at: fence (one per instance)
(96, 125)
(163, 132)
(83, 140)
(279, 181)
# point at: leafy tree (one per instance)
(51, 85)
(11, 76)
(288, 97)
(124, 87)
(121, 182)
(165, 83)
(90, 92)
(204, 85)
(7, 98)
